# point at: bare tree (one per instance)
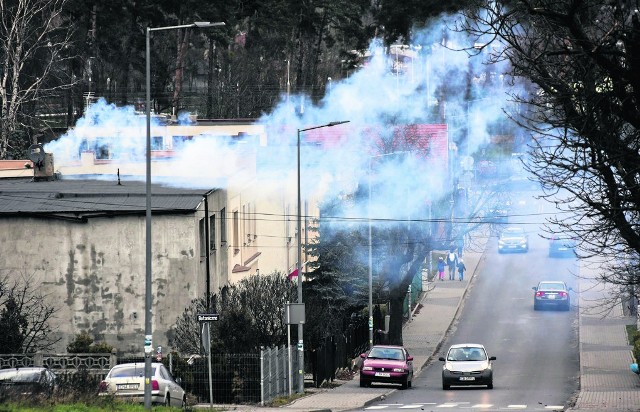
(24, 316)
(33, 40)
(583, 112)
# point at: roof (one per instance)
(84, 198)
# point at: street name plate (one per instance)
(207, 317)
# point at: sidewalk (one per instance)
(606, 382)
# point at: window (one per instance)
(223, 226)
(203, 240)
(212, 232)
(156, 143)
(236, 232)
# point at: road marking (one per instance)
(482, 405)
(415, 406)
(554, 407)
(377, 407)
(517, 406)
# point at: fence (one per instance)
(236, 378)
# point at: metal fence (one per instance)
(235, 378)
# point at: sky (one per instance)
(374, 101)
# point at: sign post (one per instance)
(205, 319)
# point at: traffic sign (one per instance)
(208, 317)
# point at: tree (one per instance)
(583, 112)
(24, 317)
(251, 315)
(33, 42)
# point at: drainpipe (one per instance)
(207, 250)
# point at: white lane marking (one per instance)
(376, 407)
(554, 407)
(482, 405)
(517, 406)
(416, 406)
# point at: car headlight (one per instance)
(398, 369)
(367, 368)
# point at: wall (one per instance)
(94, 273)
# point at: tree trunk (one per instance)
(183, 37)
(396, 319)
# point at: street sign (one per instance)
(207, 317)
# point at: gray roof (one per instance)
(83, 198)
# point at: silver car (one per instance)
(467, 364)
(127, 381)
(513, 239)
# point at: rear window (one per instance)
(551, 286)
(130, 371)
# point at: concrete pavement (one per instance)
(606, 382)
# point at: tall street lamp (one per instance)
(148, 334)
(299, 264)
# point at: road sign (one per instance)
(208, 317)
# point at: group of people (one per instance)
(454, 263)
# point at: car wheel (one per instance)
(567, 307)
(410, 383)
(490, 384)
(445, 386)
(536, 306)
(405, 384)
(363, 383)
(167, 400)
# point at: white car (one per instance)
(467, 364)
(127, 381)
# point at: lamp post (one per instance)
(148, 333)
(299, 264)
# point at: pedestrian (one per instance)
(441, 266)
(452, 262)
(461, 269)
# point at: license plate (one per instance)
(552, 296)
(383, 374)
(467, 378)
(127, 386)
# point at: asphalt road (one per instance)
(537, 364)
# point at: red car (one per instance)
(386, 364)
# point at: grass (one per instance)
(631, 330)
(97, 406)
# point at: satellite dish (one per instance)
(36, 153)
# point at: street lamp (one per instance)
(299, 264)
(148, 334)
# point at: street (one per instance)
(537, 364)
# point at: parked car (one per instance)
(562, 247)
(467, 364)
(28, 381)
(127, 381)
(513, 239)
(551, 293)
(386, 364)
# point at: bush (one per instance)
(83, 343)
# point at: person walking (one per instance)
(440, 267)
(452, 262)
(461, 269)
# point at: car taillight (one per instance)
(103, 386)
(539, 293)
(154, 385)
(563, 294)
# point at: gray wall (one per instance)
(94, 273)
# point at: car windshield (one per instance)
(130, 371)
(513, 231)
(551, 286)
(386, 353)
(467, 354)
